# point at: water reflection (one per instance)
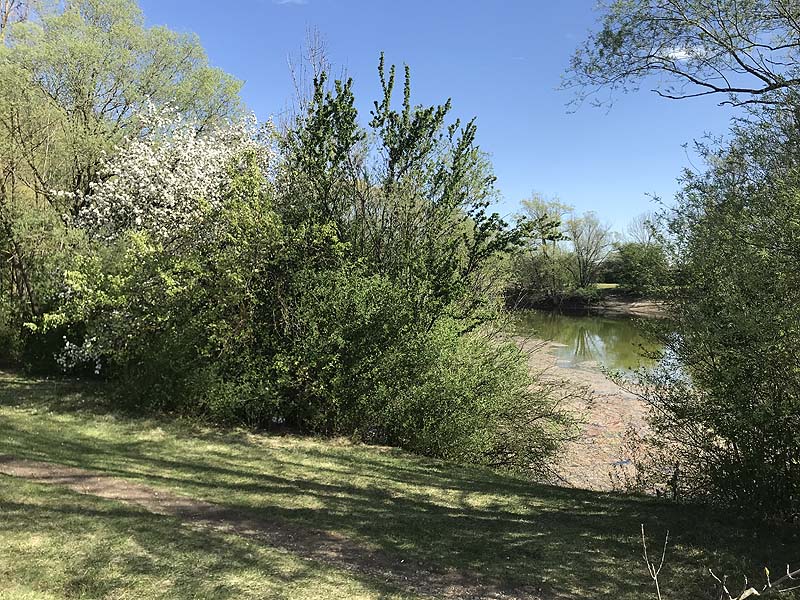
(613, 343)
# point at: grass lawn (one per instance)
(570, 543)
(59, 544)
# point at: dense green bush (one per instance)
(541, 276)
(305, 290)
(728, 398)
(34, 253)
(74, 80)
(639, 268)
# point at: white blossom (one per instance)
(73, 356)
(169, 179)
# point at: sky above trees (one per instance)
(501, 62)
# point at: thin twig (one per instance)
(651, 567)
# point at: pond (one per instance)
(580, 341)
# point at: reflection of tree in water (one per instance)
(587, 345)
(615, 343)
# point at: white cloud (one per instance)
(683, 53)
(678, 54)
(291, 2)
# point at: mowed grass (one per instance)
(570, 543)
(59, 544)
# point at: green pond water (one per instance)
(585, 341)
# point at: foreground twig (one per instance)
(725, 594)
(651, 567)
(768, 587)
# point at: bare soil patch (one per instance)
(613, 306)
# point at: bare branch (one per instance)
(719, 46)
(651, 567)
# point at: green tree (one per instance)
(338, 288)
(73, 79)
(540, 266)
(414, 207)
(591, 244)
(639, 268)
(12, 11)
(93, 65)
(547, 218)
(726, 397)
(747, 51)
(736, 232)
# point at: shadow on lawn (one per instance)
(99, 549)
(54, 395)
(571, 543)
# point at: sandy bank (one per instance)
(608, 413)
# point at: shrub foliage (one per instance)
(330, 278)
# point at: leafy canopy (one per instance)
(745, 50)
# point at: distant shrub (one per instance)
(584, 295)
(639, 268)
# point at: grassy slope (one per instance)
(570, 543)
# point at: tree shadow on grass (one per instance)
(570, 543)
(88, 547)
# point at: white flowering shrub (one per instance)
(161, 199)
(169, 179)
(74, 356)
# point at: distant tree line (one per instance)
(568, 254)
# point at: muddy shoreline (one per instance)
(609, 304)
(613, 307)
(607, 413)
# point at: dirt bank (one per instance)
(608, 302)
(615, 306)
(606, 415)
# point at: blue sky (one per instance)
(500, 61)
